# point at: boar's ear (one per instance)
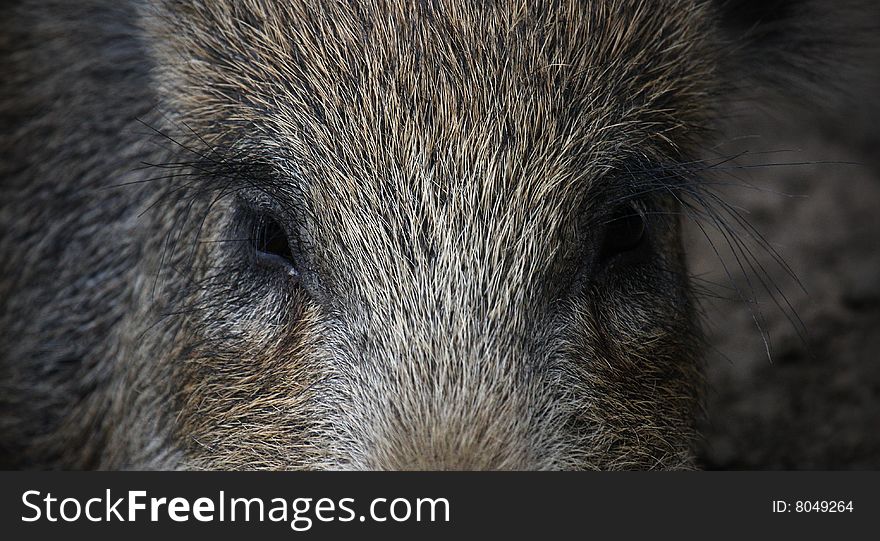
(810, 49)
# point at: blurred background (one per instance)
(814, 402)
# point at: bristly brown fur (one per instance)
(445, 170)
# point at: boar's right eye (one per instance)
(273, 245)
(626, 233)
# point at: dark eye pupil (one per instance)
(271, 241)
(625, 231)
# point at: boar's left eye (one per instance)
(625, 232)
(273, 245)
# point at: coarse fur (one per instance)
(446, 173)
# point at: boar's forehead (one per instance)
(406, 129)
